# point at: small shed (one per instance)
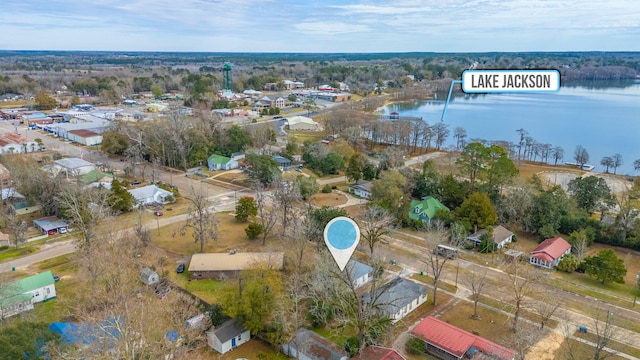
(149, 276)
(228, 336)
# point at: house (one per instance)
(308, 345)
(149, 277)
(73, 166)
(222, 265)
(20, 295)
(5, 177)
(449, 342)
(359, 273)
(373, 352)
(227, 336)
(50, 223)
(549, 252)
(151, 194)
(361, 188)
(501, 236)
(237, 156)
(426, 209)
(283, 163)
(303, 123)
(398, 297)
(11, 143)
(219, 162)
(11, 194)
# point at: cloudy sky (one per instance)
(321, 25)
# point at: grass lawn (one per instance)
(591, 336)
(331, 199)
(492, 325)
(231, 235)
(428, 280)
(581, 351)
(23, 250)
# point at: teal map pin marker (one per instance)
(342, 236)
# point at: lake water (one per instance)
(604, 119)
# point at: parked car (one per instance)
(180, 268)
(51, 232)
(135, 182)
(62, 230)
(56, 278)
(158, 213)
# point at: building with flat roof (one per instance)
(221, 265)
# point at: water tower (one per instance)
(226, 69)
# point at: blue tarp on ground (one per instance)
(105, 332)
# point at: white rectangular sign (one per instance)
(502, 81)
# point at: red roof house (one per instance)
(549, 252)
(373, 352)
(447, 341)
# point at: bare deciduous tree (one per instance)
(267, 216)
(376, 223)
(477, 284)
(545, 309)
(201, 220)
(521, 280)
(285, 196)
(85, 209)
(436, 266)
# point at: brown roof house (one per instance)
(549, 253)
(223, 265)
(373, 352)
(501, 236)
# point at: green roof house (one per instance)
(219, 162)
(20, 295)
(426, 209)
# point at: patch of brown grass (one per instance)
(332, 199)
(231, 235)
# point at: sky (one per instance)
(325, 26)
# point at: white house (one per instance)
(398, 297)
(149, 277)
(549, 253)
(73, 166)
(228, 336)
(219, 162)
(20, 295)
(501, 236)
(359, 273)
(361, 188)
(151, 194)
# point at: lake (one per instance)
(604, 119)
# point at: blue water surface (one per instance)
(604, 120)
